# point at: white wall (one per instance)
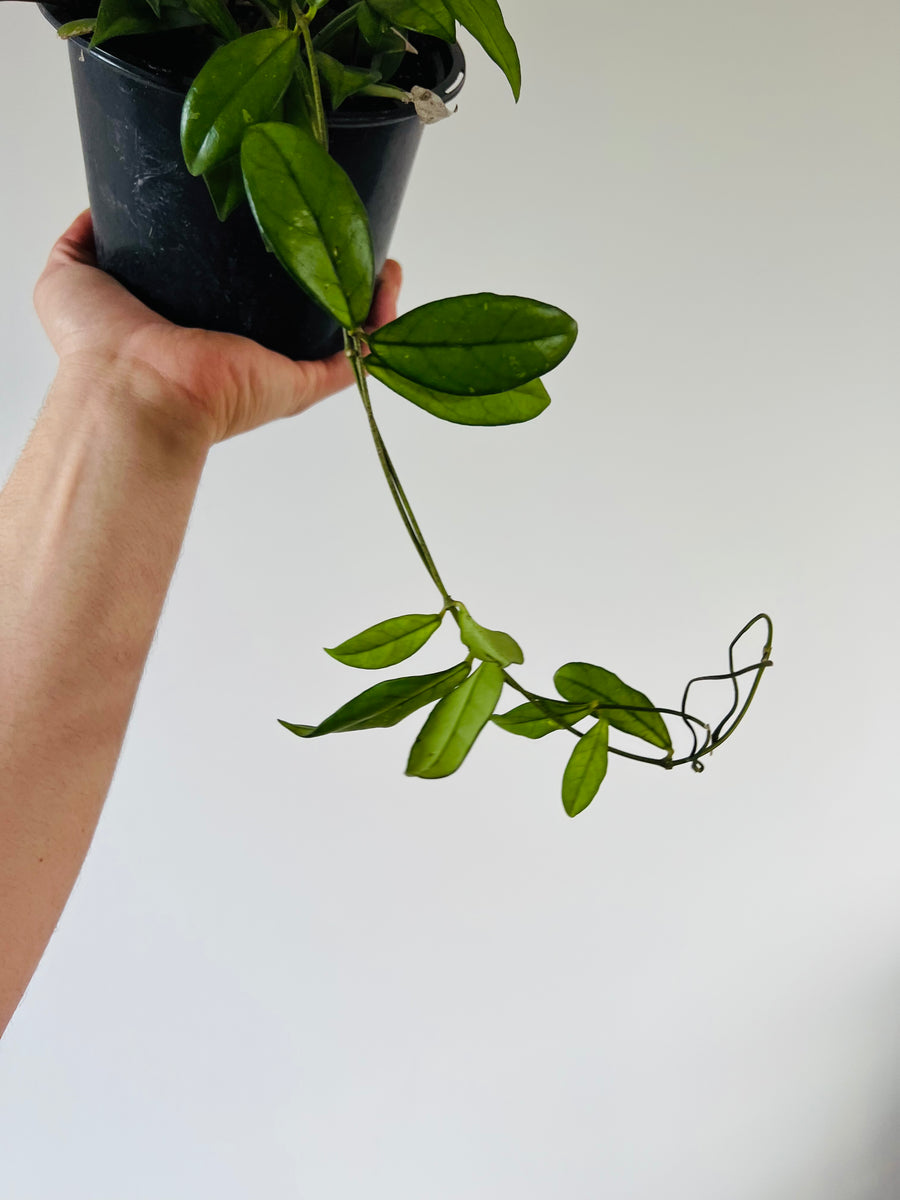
(287, 970)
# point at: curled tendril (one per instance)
(712, 738)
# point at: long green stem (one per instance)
(320, 125)
(353, 350)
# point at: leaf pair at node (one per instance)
(588, 691)
(465, 704)
(466, 701)
(476, 359)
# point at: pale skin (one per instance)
(92, 521)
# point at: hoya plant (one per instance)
(255, 127)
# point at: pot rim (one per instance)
(447, 88)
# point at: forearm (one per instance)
(91, 525)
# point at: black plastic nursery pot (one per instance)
(155, 226)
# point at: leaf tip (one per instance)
(299, 730)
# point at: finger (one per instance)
(76, 244)
(384, 306)
(293, 387)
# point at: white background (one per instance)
(289, 971)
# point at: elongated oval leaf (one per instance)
(386, 703)
(238, 85)
(586, 769)
(505, 408)
(226, 186)
(475, 345)
(489, 644)
(388, 642)
(424, 16)
(532, 721)
(311, 215)
(484, 21)
(455, 722)
(120, 18)
(583, 683)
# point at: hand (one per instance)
(207, 385)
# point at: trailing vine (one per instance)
(255, 127)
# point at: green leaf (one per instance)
(584, 683)
(388, 642)
(310, 213)
(215, 13)
(121, 18)
(424, 16)
(530, 720)
(226, 186)
(238, 85)
(475, 345)
(505, 408)
(76, 28)
(454, 724)
(586, 769)
(343, 81)
(386, 703)
(484, 21)
(488, 644)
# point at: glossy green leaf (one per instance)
(586, 769)
(310, 213)
(506, 408)
(216, 14)
(583, 683)
(342, 81)
(454, 724)
(489, 644)
(121, 18)
(475, 345)
(484, 21)
(531, 720)
(388, 642)
(226, 186)
(424, 16)
(155, 5)
(386, 703)
(239, 85)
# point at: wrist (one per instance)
(135, 400)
